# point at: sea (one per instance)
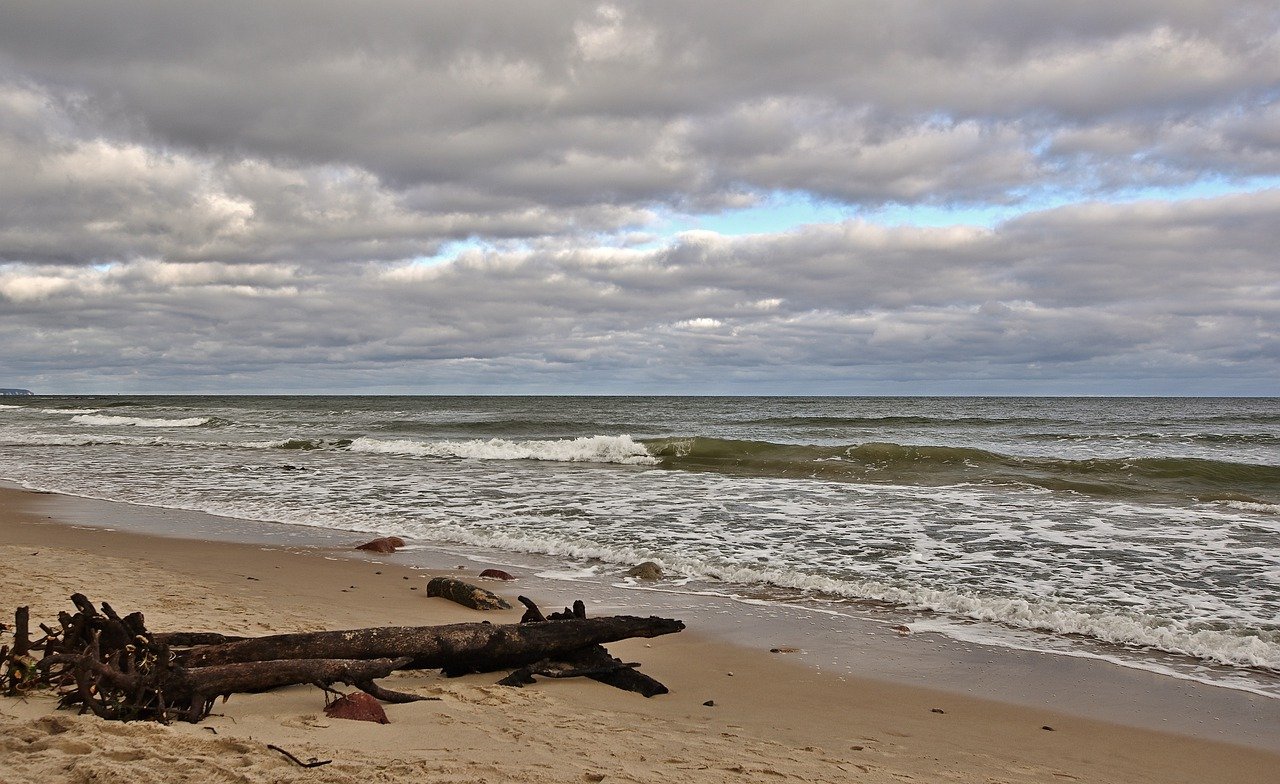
(1143, 531)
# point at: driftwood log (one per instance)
(112, 665)
(466, 594)
(591, 661)
(457, 649)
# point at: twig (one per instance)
(313, 763)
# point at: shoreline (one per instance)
(875, 728)
(847, 640)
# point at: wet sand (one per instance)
(772, 713)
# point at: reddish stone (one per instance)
(385, 544)
(497, 574)
(357, 706)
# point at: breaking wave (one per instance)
(883, 462)
(587, 449)
(125, 421)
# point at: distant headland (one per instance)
(15, 392)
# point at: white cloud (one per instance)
(190, 189)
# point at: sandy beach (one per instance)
(772, 717)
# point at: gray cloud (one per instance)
(523, 119)
(1080, 292)
(240, 190)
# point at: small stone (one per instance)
(357, 706)
(784, 649)
(902, 629)
(497, 574)
(646, 571)
(857, 748)
(1047, 727)
(710, 703)
(936, 710)
(593, 777)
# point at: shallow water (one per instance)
(1122, 528)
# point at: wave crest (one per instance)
(125, 421)
(587, 449)
(887, 462)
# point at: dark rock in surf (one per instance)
(646, 571)
(497, 574)
(385, 544)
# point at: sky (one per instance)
(893, 197)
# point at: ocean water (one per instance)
(1144, 531)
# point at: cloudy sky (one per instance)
(891, 197)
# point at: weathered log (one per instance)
(551, 669)
(591, 662)
(260, 676)
(456, 648)
(621, 676)
(192, 639)
(466, 594)
(112, 665)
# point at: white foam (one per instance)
(1223, 647)
(1252, 506)
(69, 411)
(49, 439)
(106, 419)
(587, 449)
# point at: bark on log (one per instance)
(192, 639)
(456, 648)
(260, 676)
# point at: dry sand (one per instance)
(772, 719)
